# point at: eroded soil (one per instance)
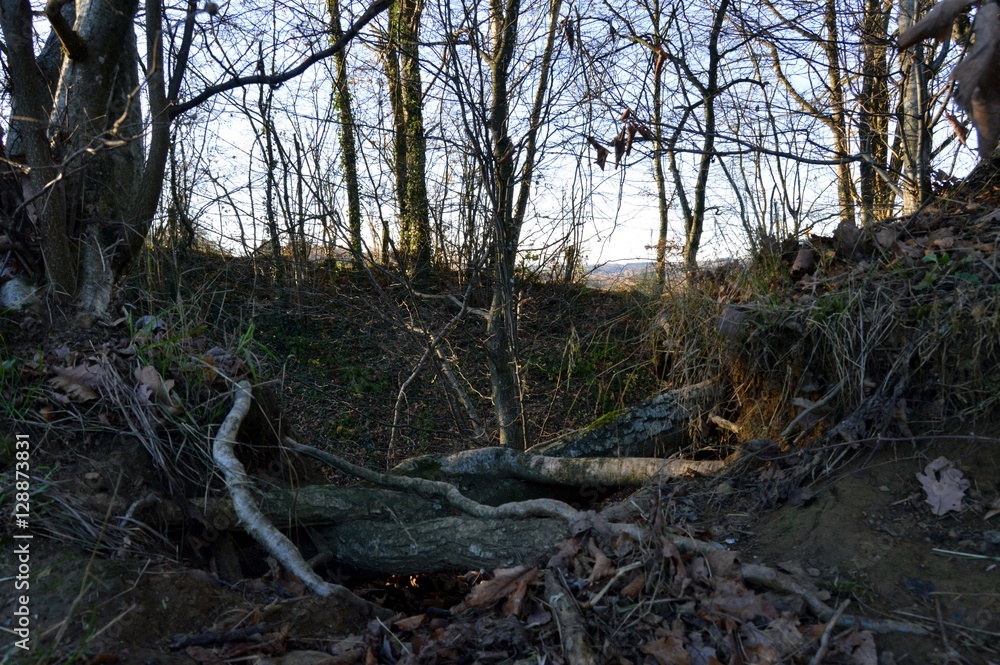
(864, 534)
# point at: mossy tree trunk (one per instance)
(348, 146)
(402, 67)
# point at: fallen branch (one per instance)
(441, 490)
(572, 628)
(657, 426)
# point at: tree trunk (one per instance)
(916, 140)
(402, 64)
(507, 218)
(32, 106)
(663, 205)
(838, 115)
(876, 196)
(348, 147)
(78, 130)
(694, 213)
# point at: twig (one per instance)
(822, 402)
(967, 555)
(587, 604)
(824, 642)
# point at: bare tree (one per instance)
(77, 127)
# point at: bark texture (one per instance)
(655, 427)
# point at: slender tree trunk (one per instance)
(876, 196)
(270, 214)
(695, 222)
(348, 147)
(916, 140)
(402, 61)
(658, 174)
(838, 115)
(501, 329)
(508, 217)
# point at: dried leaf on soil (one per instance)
(994, 509)
(945, 486)
(74, 391)
(603, 567)
(734, 599)
(152, 386)
(856, 647)
(508, 583)
(668, 650)
(411, 623)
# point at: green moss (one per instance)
(606, 419)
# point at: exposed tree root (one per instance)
(567, 472)
(778, 581)
(245, 505)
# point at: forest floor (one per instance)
(857, 531)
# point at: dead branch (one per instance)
(772, 579)
(572, 627)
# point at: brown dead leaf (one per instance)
(734, 599)
(87, 374)
(945, 486)
(634, 588)
(202, 655)
(994, 509)
(603, 568)
(78, 383)
(567, 28)
(619, 144)
(155, 389)
(602, 152)
(855, 647)
(566, 551)
(661, 57)
(668, 650)
(410, 624)
(509, 583)
(631, 135)
(936, 23)
(961, 131)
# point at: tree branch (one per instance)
(276, 80)
(76, 48)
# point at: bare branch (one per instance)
(76, 48)
(276, 80)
